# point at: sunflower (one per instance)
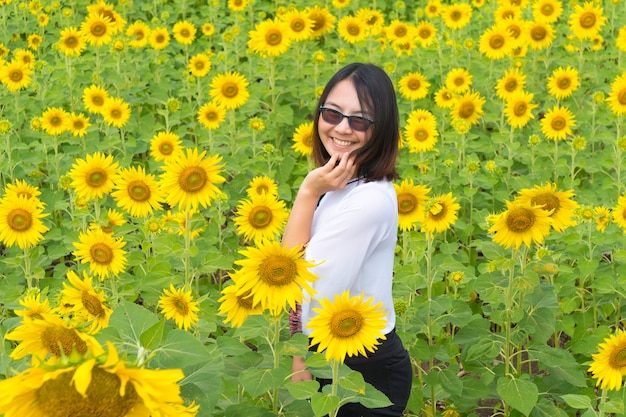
(445, 98)
(602, 216)
(15, 75)
(323, 20)
(440, 213)
(136, 192)
(420, 135)
(55, 120)
(496, 42)
(237, 307)
(351, 29)
(398, 30)
(558, 204)
(516, 28)
(373, 19)
(547, 11)
(262, 185)
(230, 90)
(303, 139)
(421, 114)
(411, 199)
(299, 26)
(113, 219)
(260, 217)
(347, 326)
(34, 307)
(159, 38)
(619, 213)
(609, 364)
(269, 38)
(34, 41)
(518, 109)
(512, 83)
(413, 86)
(49, 339)
(71, 42)
(563, 82)
(520, 223)
(191, 179)
(199, 65)
(468, 108)
(178, 304)
(164, 146)
(507, 11)
(456, 15)
(78, 124)
(275, 276)
(557, 123)
(107, 10)
(97, 29)
(426, 33)
(92, 177)
(20, 221)
(184, 32)
(587, 20)
(103, 252)
(540, 35)
(139, 32)
(211, 115)
(620, 40)
(617, 96)
(458, 80)
(116, 112)
(237, 5)
(94, 98)
(24, 56)
(94, 386)
(432, 8)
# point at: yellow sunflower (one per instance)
(55, 120)
(496, 42)
(520, 223)
(275, 276)
(24, 56)
(303, 139)
(83, 303)
(237, 5)
(298, 25)
(199, 65)
(191, 180)
(107, 10)
(71, 42)
(398, 30)
(139, 33)
(347, 326)
(609, 364)
(617, 96)
(602, 217)
(468, 108)
(136, 191)
(518, 109)
(94, 386)
(547, 11)
(323, 20)
(456, 15)
(411, 200)
(34, 307)
(445, 98)
(260, 217)
(426, 33)
(79, 123)
(563, 82)
(458, 80)
(178, 305)
(269, 38)
(587, 20)
(413, 86)
(440, 213)
(230, 90)
(540, 35)
(236, 307)
(20, 221)
(211, 115)
(164, 146)
(48, 339)
(420, 135)
(92, 177)
(34, 41)
(159, 38)
(513, 82)
(94, 98)
(184, 32)
(557, 123)
(432, 8)
(262, 185)
(507, 11)
(15, 75)
(351, 29)
(619, 213)
(559, 204)
(116, 112)
(620, 40)
(21, 188)
(102, 251)
(97, 29)
(373, 19)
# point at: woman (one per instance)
(345, 215)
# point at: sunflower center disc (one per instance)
(57, 338)
(19, 220)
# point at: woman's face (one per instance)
(341, 138)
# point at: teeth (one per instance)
(342, 142)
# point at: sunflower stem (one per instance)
(274, 346)
(333, 387)
(187, 233)
(27, 267)
(602, 401)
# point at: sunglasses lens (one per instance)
(358, 123)
(332, 116)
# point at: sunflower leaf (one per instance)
(323, 404)
(580, 402)
(303, 389)
(519, 393)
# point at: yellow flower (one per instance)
(20, 221)
(159, 38)
(496, 42)
(547, 11)
(230, 90)
(540, 35)
(520, 223)
(94, 98)
(413, 86)
(55, 120)
(411, 200)
(199, 65)
(237, 5)
(208, 29)
(237, 307)
(563, 82)
(78, 124)
(303, 139)
(602, 216)
(609, 364)
(116, 112)
(426, 33)
(92, 177)
(617, 96)
(262, 185)
(468, 108)
(178, 304)
(619, 213)
(102, 251)
(139, 32)
(260, 217)
(107, 10)
(15, 75)
(440, 213)
(518, 109)
(620, 40)
(587, 20)
(557, 123)
(558, 204)
(298, 25)
(351, 29)
(184, 32)
(456, 15)
(323, 20)
(34, 41)
(458, 80)
(374, 20)
(398, 30)
(97, 29)
(34, 307)
(211, 115)
(136, 191)
(24, 56)
(72, 42)
(164, 146)
(347, 326)
(269, 38)
(21, 188)
(275, 276)
(445, 98)
(420, 134)
(191, 179)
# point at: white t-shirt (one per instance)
(353, 237)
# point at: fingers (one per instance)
(339, 169)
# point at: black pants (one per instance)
(389, 370)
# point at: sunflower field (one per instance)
(151, 153)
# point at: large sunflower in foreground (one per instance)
(34, 307)
(347, 326)
(518, 109)
(97, 29)
(92, 177)
(520, 223)
(557, 123)
(468, 108)
(275, 276)
(260, 217)
(617, 96)
(609, 364)
(237, 307)
(270, 37)
(102, 251)
(179, 305)
(84, 303)
(21, 188)
(587, 20)
(230, 89)
(136, 191)
(303, 139)
(190, 180)
(101, 386)
(440, 213)
(411, 199)
(20, 221)
(558, 204)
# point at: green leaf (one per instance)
(580, 402)
(353, 382)
(257, 381)
(181, 349)
(450, 382)
(303, 390)
(546, 408)
(131, 321)
(373, 398)
(520, 394)
(152, 337)
(561, 363)
(323, 404)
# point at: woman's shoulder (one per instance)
(375, 193)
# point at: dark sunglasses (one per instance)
(334, 117)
